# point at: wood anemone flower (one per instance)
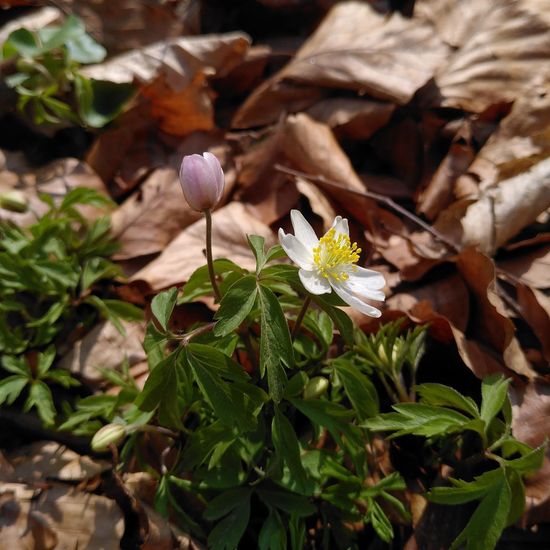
(329, 263)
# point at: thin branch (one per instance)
(370, 195)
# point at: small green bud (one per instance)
(316, 387)
(13, 200)
(111, 433)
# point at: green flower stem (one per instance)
(209, 260)
(301, 316)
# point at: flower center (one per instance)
(335, 255)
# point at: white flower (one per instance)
(330, 263)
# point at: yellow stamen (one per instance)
(335, 255)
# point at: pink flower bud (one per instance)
(202, 180)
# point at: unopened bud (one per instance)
(13, 200)
(112, 433)
(202, 181)
(316, 387)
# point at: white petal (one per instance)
(359, 288)
(374, 279)
(295, 250)
(314, 283)
(355, 302)
(302, 230)
(340, 225)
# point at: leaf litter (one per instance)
(442, 111)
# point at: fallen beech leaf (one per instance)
(491, 324)
(61, 517)
(147, 221)
(521, 141)
(531, 424)
(318, 201)
(173, 76)
(499, 212)
(354, 48)
(531, 267)
(49, 460)
(184, 254)
(105, 347)
(126, 24)
(495, 62)
(535, 308)
(352, 118)
(311, 147)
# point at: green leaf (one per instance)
(101, 101)
(290, 503)
(161, 497)
(379, 521)
(330, 415)
(20, 41)
(276, 252)
(85, 195)
(275, 343)
(235, 305)
(85, 49)
(11, 387)
(359, 389)
(257, 245)
(40, 397)
(114, 310)
(236, 405)
(272, 534)
(45, 361)
(287, 447)
(440, 395)
(154, 344)
(16, 365)
(162, 306)
(341, 319)
(494, 390)
(228, 532)
(418, 419)
(161, 389)
(528, 463)
(489, 520)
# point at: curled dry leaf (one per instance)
(535, 308)
(106, 348)
(354, 48)
(499, 213)
(531, 424)
(352, 118)
(504, 52)
(184, 254)
(491, 323)
(173, 76)
(312, 148)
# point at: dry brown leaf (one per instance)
(521, 141)
(33, 21)
(352, 118)
(490, 324)
(535, 308)
(46, 460)
(312, 148)
(173, 76)
(531, 424)
(504, 53)
(531, 267)
(105, 347)
(318, 201)
(354, 48)
(127, 24)
(184, 254)
(147, 221)
(499, 213)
